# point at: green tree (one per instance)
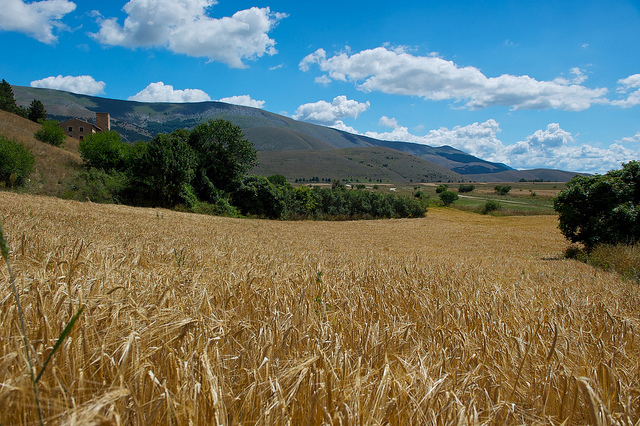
(7, 100)
(36, 111)
(279, 180)
(50, 133)
(224, 157)
(257, 196)
(448, 197)
(165, 171)
(16, 163)
(601, 209)
(105, 150)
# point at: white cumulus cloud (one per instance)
(388, 122)
(432, 78)
(552, 147)
(331, 113)
(244, 100)
(625, 85)
(83, 84)
(36, 19)
(631, 139)
(184, 26)
(160, 92)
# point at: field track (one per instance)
(456, 318)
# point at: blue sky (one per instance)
(552, 84)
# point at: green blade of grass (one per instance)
(63, 336)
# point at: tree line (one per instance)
(206, 169)
(35, 111)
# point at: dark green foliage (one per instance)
(448, 197)
(602, 209)
(502, 189)
(279, 180)
(16, 163)
(165, 170)
(441, 188)
(50, 133)
(224, 157)
(257, 196)
(98, 186)
(7, 100)
(465, 188)
(338, 185)
(105, 150)
(204, 171)
(36, 111)
(490, 206)
(218, 207)
(330, 203)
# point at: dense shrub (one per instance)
(448, 197)
(98, 186)
(50, 133)
(105, 150)
(502, 189)
(602, 209)
(441, 188)
(490, 206)
(621, 258)
(257, 196)
(16, 163)
(465, 188)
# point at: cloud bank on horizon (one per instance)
(393, 81)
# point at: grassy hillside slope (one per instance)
(452, 319)
(54, 165)
(372, 164)
(547, 175)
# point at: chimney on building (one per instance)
(103, 121)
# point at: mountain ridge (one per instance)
(270, 133)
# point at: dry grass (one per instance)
(452, 319)
(54, 166)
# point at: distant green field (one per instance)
(526, 198)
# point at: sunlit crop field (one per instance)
(456, 318)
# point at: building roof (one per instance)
(77, 121)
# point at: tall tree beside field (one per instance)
(224, 157)
(602, 209)
(166, 170)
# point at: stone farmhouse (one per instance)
(78, 129)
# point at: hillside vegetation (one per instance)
(54, 167)
(455, 318)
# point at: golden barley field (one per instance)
(456, 318)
